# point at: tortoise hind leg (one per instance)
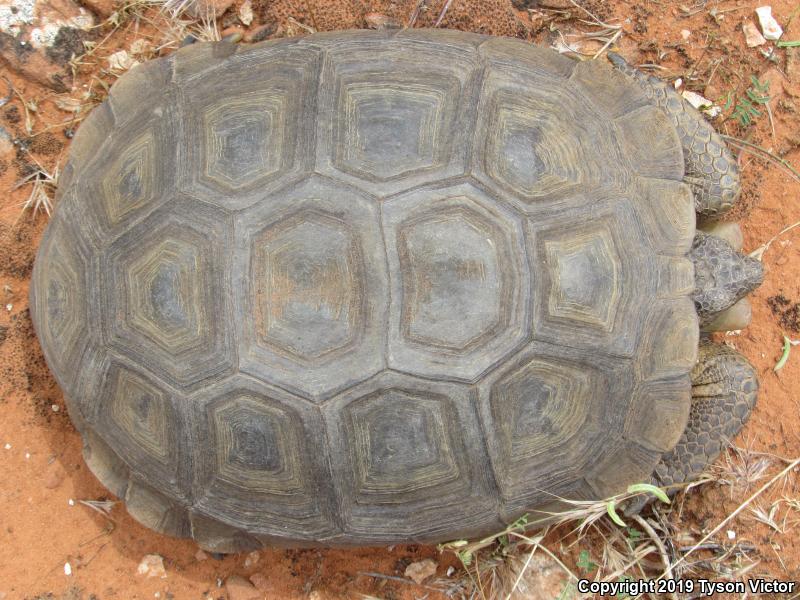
(711, 170)
(724, 391)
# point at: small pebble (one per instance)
(252, 559)
(71, 502)
(752, 36)
(238, 588)
(686, 34)
(53, 476)
(152, 565)
(419, 571)
(67, 569)
(9, 307)
(769, 26)
(7, 446)
(55, 408)
(731, 534)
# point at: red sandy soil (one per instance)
(43, 526)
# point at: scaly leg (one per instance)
(724, 391)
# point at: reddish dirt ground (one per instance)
(43, 524)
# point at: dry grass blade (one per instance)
(768, 517)
(101, 506)
(443, 13)
(763, 154)
(793, 465)
(742, 468)
(758, 253)
(43, 184)
(177, 7)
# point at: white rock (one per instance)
(701, 103)
(696, 99)
(419, 571)
(67, 569)
(152, 565)
(686, 34)
(246, 13)
(7, 446)
(252, 559)
(752, 36)
(121, 61)
(772, 30)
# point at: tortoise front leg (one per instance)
(724, 390)
(711, 170)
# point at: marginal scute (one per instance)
(607, 88)
(651, 143)
(214, 536)
(526, 57)
(668, 345)
(667, 209)
(659, 413)
(154, 510)
(142, 86)
(60, 302)
(86, 143)
(104, 463)
(193, 61)
(621, 465)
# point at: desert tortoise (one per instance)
(367, 287)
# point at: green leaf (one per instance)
(787, 348)
(756, 97)
(788, 44)
(611, 509)
(761, 87)
(585, 563)
(650, 489)
(465, 557)
(728, 102)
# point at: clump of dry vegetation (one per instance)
(592, 540)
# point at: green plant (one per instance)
(745, 107)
